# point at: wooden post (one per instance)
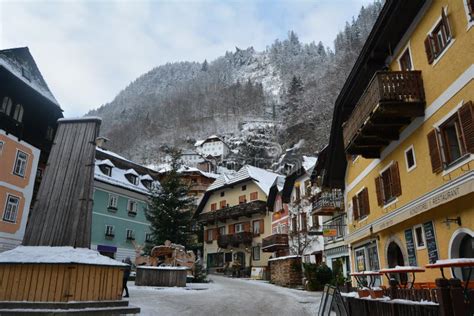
(444, 297)
(393, 288)
(457, 298)
(62, 214)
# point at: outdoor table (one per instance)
(359, 277)
(403, 269)
(454, 263)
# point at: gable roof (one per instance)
(276, 188)
(20, 63)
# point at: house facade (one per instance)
(28, 115)
(121, 194)
(408, 141)
(212, 146)
(235, 218)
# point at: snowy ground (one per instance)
(225, 296)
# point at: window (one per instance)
(107, 170)
(11, 209)
(453, 139)
(133, 179)
(303, 222)
(239, 227)
(253, 196)
(438, 40)
(113, 201)
(222, 230)
(6, 106)
(213, 206)
(20, 164)
(1, 147)
(18, 114)
(307, 188)
(405, 61)
(387, 185)
(242, 199)
(130, 234)
(470, 10)
(256, 227)
(109, 231)
(244, 187)
(360, 204)
(148, 237)
(294, 223)
(410, 158)
(132, 207)
(223, 204)
(315, 221)
(222, 193)
(420, 237)
(256, 253)
(297, 192)
(210, 235)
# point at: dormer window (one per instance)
(147, 183)
(18, 114)
(6, 106)
(132, 178)
(107, 170)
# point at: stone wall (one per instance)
(286, 271)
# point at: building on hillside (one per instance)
(298, 194)
(277, 242)
(121, 194)
(28, 116)
(235, 218)
(191, 158)
(404, 120)
(328, 204)
(212, 146)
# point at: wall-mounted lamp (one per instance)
(456, 220)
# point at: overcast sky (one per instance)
(88, 51)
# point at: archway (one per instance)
(395, 258)
(461, 246)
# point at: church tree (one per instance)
(170, 208)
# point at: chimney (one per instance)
(100, 141)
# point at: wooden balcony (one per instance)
(328, 202)
(275, 242)
(11, 126)
(234, 212)
(223, 241)
(389, 103)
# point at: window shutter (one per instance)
(215, 233)
(379, 191)
(470, 6)
(435, 153)
(262, 227)
(231, 229)
(365, 199)
(446, 23)
(355, 207)
(247, 227)
(205, 235)
(429, 49)
(395, 177)
(466, 120)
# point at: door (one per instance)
(466, 250)
(395, 258)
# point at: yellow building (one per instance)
(235, 217)
(407, 139)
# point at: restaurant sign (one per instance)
(329, 232)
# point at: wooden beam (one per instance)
(384, 133)
(402, 109)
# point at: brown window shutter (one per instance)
(379, 190)
(435, 153)
(365, 199)
(262, 226)
(205, 235)
(446, 23)
(395, 176)
(355, 207)
(429, 49)
(231, 229)
(470, 5)
(466, 120)
(247, 227)
(215, 233)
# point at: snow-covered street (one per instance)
(225, 296)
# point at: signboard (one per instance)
(329, 232)
(410, 247)
(431, 242)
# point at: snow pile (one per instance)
(162, 268)
(350, 294)
(46, 254)
(456, 261)
(285, 257)
(408, 302)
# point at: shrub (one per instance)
(317, 275)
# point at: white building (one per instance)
(191, 158)
(212, 146)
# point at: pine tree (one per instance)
(294, 102)
(170, 208)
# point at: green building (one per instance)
(121, 192)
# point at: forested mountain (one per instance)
(292, 83)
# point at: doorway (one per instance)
(395, 258)
(462, 246)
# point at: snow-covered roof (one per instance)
(20, 63)
(146, 177)
(285, 257)
(131, 171)
(111, 153)
(263, 178)
(202, 141)
(46, 254)
(309, 163)
(106, 162)
(118, 178)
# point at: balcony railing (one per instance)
(339, 223)
(391, 100)
(275, 242)
(234, 212)
(223, 241)
(328, 202)
(11, 126)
